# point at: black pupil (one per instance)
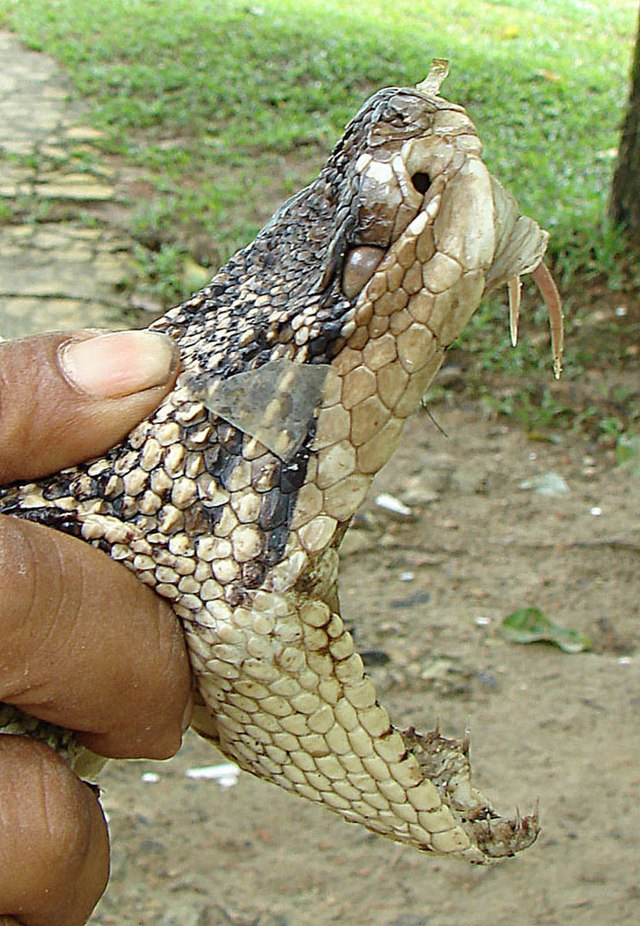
(421, 182)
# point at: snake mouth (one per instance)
(520, 248)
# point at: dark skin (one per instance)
(82, 643)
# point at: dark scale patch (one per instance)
(275, 510)
(51, 517)
(212, 516)
(253, 574)
(227, 464)
(275, 546)
(108, 485)
(278, 506)
(55, 490)
(265, 473)
(9, 501)
(83, 487)
(197, 520)
(211, 458)
(320, 346)
(235, 595)
(293, 476)
(230, 439)
(117, 506)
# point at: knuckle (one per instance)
(17, 580)
(163, 696)
(60, 814)
(18, 403)
(47, 799)
(36, 604)
(54, 859)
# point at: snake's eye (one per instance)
(360, 264)
(421, 182)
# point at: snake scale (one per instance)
(301, 362)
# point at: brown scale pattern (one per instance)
(371, 271)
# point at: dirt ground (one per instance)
(426, 596)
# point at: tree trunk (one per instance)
(625, 191)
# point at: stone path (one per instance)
(60, 265)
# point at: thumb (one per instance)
(69, 396)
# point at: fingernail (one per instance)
(118, 364)
(188, 714)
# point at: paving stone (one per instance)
(20, 143)
(17, 232)
(76, 253)
(48, 237)
(83, 133)
(27, 78)
(40, 273)
(54, 151)
(26, 316)
(14, 181)
(85, 191)
(54, 274)
(103, 170)
(7, 83)
(89, 234)
(113, 270)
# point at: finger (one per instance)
(54, 846)
(106, 656)
(69, 396)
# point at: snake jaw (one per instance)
(445, 762)
(553, 301)
(521, 246)
(547, 286)
(515, 292)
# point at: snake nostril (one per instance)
(421, 182)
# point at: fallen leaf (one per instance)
(530, 625)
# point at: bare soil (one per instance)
(426, 596)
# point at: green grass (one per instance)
(228, 106)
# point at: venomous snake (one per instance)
(301, 361)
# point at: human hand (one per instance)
(83, 643)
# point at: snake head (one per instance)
(403, 222)
(372, 270)
(421, 176)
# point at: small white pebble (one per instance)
(393, 505)
(482, 621)
(150, 778)
(621, 311)
(595, 511)
(225, 774)
(407, 576)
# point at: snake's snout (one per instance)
(520, 248)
